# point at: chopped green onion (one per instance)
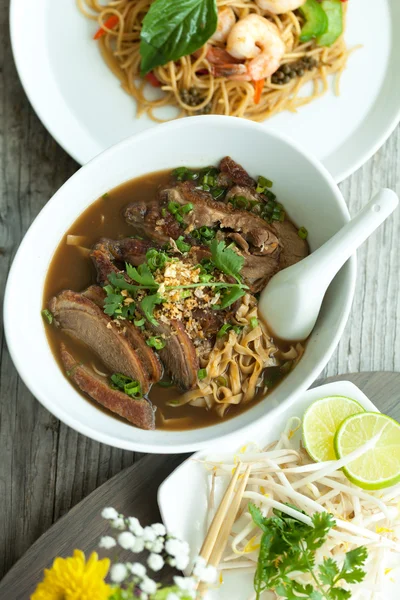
(163, 212)
(237, 329)
(46, 314)
(155, 259)
(201, 374)
(165, 384)
(131, 387)
(224, 329)
(302, 233)
(264, 182)
(186, 208)
(221, 381)
(186, 294)
(173, 207)
(179, 217)
(253, 322)
(217, 192)
(139, 322)
(156, 342)
(241, 202)
(182, 245)
(105, 196)
(207, 233)
(204, 278)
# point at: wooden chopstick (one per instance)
(221, 526)
(219, 517)
(227, 525)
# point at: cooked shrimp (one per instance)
(257, 41)
(226, 20)
(277, 7)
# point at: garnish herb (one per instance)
(303, 233)
(253, 322)
(262, 184)
(46, 314)
(156, 342)
(127, 385)
(141, 275)
(201, 374)
(288, 546)
(232, 294)
(148, 304)
(224, 330)
(156, 259)
(139, 322)
(226, 259)
(171, 30)
(182, 245)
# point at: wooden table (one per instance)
(45, 467)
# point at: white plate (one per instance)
(82, 105)
(182, 497)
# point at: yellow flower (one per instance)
(75, 579)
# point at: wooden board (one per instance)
(133, 492)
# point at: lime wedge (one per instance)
(321, 421)
(379, 467)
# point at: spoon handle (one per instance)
(325, 262)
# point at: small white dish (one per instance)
(182, 497)
(84, 108)
(311, 198)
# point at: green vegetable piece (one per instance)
(186, 208)
(173, 207)
(182, 245)
(148, 304)
(139, 322)
(156, 259)
(165, 384)
(186, 294)
(46, 314)
(156, 342)
(125, 384)
(141, 275)
(171, 30)
(302, 233)
(201, 374)
(226, 259)
(224, 329)
(253, 322)
(230, 296)
(316, 20)
(334, 12)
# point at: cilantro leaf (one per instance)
(226, 259)
(141, 275)
(339, 594)
(322, 524)
(119, 282)
(148, 304)
(352, 567)
(258, 517)
(229, 297)
(112, 304)
(328, 571)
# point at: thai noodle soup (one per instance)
(151, 298)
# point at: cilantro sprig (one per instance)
(288, 546)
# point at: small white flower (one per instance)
(208, 575)
(138, 570)
(181, 562)
(135, 526)
(155, 562)
(172, 596)
(158, 546)
(149, 535)
(139, 545)
(186, 584)
(148, 586)
(109, 513)
(144, 596)
(107, 542)
(118, 573)
(118, 523)
(159, 529)
(175, 547)
(126, 540)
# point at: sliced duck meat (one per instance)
(294, 248)
(248, 193)
(83, 320)
(139, 412)
(258, 270)
(147, 356)
(179, 354)
(210, 321)
(103, 262)
(236, 173)
(148, 218)
(210, 213)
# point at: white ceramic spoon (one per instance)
(291, 301)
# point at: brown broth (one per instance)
(70, 269)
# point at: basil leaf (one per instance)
(173, 29)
